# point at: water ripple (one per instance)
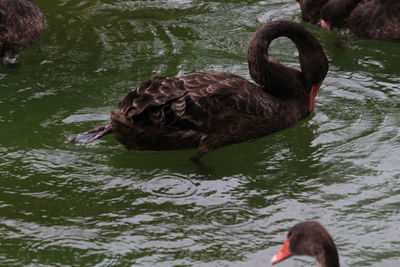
(170, 185)
(230, 216)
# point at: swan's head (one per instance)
(334, 12)
(307, 238)
(311, 9)
(314, 69)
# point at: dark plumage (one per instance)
(209, 110)
(21, 23)
(312, 239)
(378, 19)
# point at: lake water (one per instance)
(67, 204)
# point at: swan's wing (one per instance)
(192, 101)
(162, 103)
(153, 93)
(225, 92)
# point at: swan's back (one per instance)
(378, 19)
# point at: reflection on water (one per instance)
(98, 204)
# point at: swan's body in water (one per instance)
(312, 239)
(21, 23)
(378, 19)
(209, 109)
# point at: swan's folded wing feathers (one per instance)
(220, 92)
(149, 94)
(192, 101)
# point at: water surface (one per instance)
(64, 204)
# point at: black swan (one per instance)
(209, 109)
(312, 239)
(378, 19)
(21, 23)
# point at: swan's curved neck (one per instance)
(264, 70)
(276, 78)
(329, 258)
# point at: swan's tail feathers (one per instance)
(92, 135)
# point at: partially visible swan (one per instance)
(378, 19)
(21, 23)
(209, 109)
(312, 239)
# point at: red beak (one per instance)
(325, 24)
(313, 95)
(283, 253)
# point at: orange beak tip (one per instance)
(279, 257)
(325, 24)
(282, 254)
(274, 259)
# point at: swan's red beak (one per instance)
(313, 96)
(325, 24)
(283, 253)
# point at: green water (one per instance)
(65, 204)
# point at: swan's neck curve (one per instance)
(280, 80)
(329, 258)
